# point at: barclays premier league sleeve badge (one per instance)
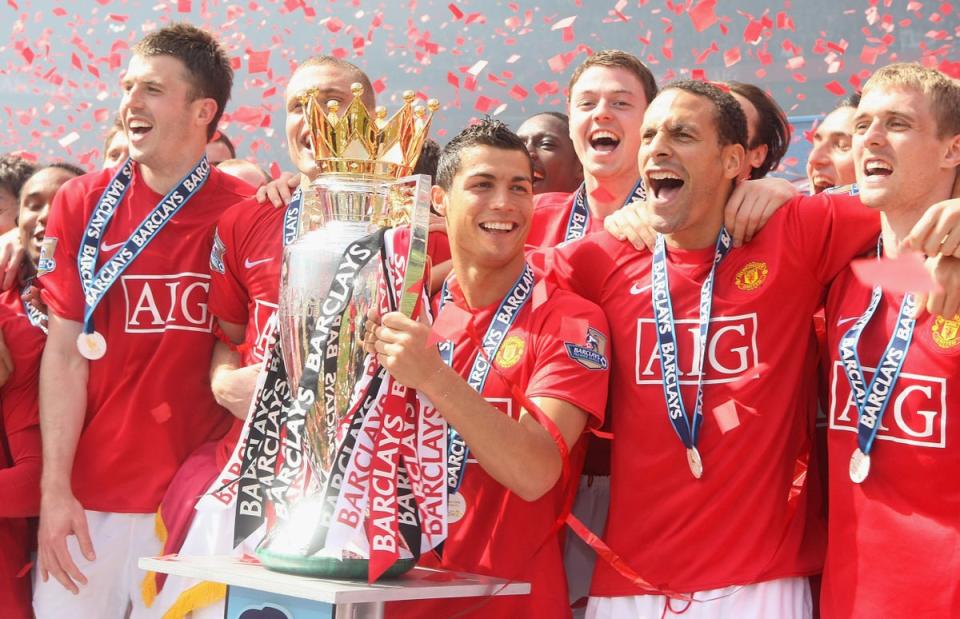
(592, 354)
(47, 263)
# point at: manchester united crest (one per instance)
(510, 352)
(751, 276)
(946, 333)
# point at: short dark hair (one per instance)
(486, 132)
(728, 115)
(773, 129)
(852, 100)
(429, 159)
(14, 172)
(208, 67)
(558, 115)
(617, 59)
(222, 138)
(369, 94)
(64, 165)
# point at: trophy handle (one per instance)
(419, 232)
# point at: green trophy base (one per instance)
(328, 567)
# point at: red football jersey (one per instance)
(551, 212)
(19, 462)
(740, 523)
(149, 403)
(10, 299)
(894, 539)
(500, 534)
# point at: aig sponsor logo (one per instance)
(915, 416)
(264, 315)
(730, 352)
(156, 303)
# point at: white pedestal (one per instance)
(252, 586)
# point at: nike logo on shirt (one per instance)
(249, 264)
(637, 289)
(110, 246)
(845, 320)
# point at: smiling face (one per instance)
(684, 166)
(161, 118)
(488, 207)
(830, 163)
(755, 154)
(900, 161)
(116, 151)
(333, 83)
(606, 111)
(35, 199)
(555, 163)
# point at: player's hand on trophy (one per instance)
(280, 190)
(402, 347)
(937, 231)
(752, 203)
(61, 516)
(630, 224)
(233, 387)
(6, 361)
(945, 298)
(11, 254)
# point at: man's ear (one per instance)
(206, 110)
(438, 197)
(732, 156)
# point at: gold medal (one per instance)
(456, 507)
(695, 463)
(92, 346)
(859, 466)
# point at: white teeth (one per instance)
(597, 135)
(877, 166)
(138, 124)
(497, 225)
(663, 175)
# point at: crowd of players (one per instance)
(688, 332)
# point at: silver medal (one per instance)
(859, 466)
(92, 346)
(695, 463)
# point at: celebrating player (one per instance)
(121, 402)
(550, 344)
(830, 163)
(706, 438)
(556, 167)
(893, 436)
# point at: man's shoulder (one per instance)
(83, 191)
(552, 201)
(224, 190)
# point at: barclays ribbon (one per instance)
(291, 218)
(872, 400)
(96, 282)
(579, 219)
(503, 319)
(688, 429)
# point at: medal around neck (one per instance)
(695, 462)
(347, 429)
(859, 466)
(92, 346)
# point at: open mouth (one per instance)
(821, 184)
(139, 128)
(877, 167)
(499, 227)
(604, 141)
(538, 175)
(664, 185)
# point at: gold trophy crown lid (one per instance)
(352, 141)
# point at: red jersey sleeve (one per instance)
(229, 298)
(59, 280)
(20, 482)
(572, 355)
(438, 247)
(832, 229)
(583, 266)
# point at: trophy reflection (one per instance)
(357, 242)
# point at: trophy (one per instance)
(343, 459)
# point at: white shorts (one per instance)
(113, 579)
(590, 507)
(785, 598)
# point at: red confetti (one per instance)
(731, 57)
(836, 88)
(257, 61)
(27, 54)
(900, 275)
(452, 321)
(518, 93)
(457, 13)
(184, 6)
(702, 14)
(726, 416)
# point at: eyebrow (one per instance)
(488, 175)
(619, 91)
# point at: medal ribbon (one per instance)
(95, 282)
(688, 430)
(579, 219)
(506, 315)
(872, 401)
